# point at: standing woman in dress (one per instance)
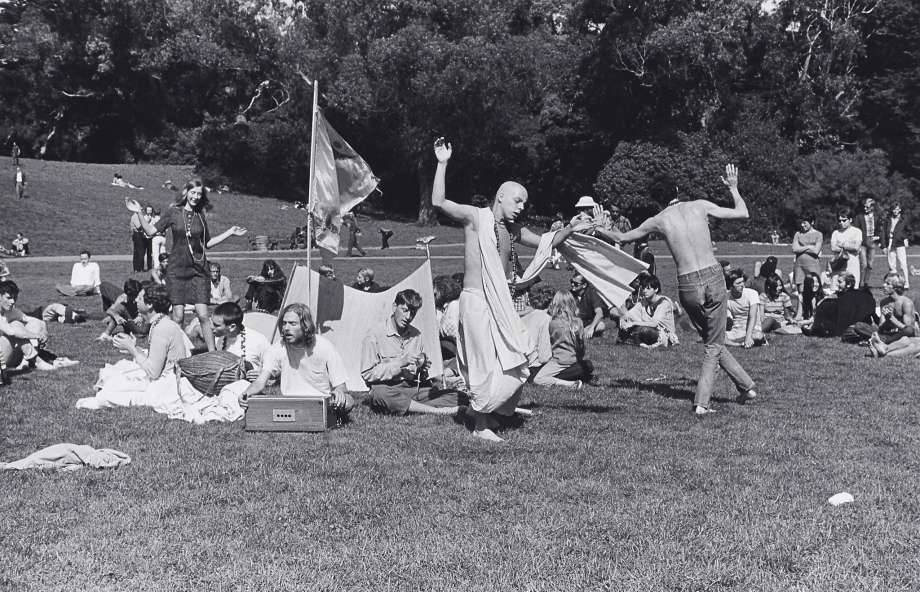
(188, 273)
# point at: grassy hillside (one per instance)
(73, 205)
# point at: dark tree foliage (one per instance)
(637, 101)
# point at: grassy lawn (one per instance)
(616, 487)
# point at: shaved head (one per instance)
(510, 189)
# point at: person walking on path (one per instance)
(701, 281)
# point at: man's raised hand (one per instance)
(442, 150)
(731, 176)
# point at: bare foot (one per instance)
(523, 412)
(487, 435)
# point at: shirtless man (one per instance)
(701, 282)
(494, 347)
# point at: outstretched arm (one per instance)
(232, 231)
(615, 236)
(457, 212)
(739, 209)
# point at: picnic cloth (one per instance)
(69, 457)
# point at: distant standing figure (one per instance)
(158, 242)
(642, 252)
(896, 243)
(806, 246)
(21, 245)
(869, 223)
(138, 241)
(385, 234)
(847, 243)
(15, 152)
(20, 183)
(350, 222)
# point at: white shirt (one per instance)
(309, 373)
(742, 307)
(256, 346)
(85, 275)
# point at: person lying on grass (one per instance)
(568, 366)
(23, 337)
(395, 367)
(307, 364)
(650, 322)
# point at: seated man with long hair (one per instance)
(307, 364)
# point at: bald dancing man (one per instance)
(701, 282)
(493, 345)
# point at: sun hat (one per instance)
(585, 201)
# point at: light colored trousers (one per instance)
(899, 255)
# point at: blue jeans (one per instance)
(703, 296)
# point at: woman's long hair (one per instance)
(204, 204)
(563, 309)
(812, 294)
(271, 270)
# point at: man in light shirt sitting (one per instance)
(84, 278)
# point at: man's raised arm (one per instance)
(739, 209)
(458, 212)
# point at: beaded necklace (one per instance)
(187, 217)
(512, 285)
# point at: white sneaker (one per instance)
(699, 410)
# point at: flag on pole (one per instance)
(342, 180)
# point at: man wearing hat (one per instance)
(585, 207)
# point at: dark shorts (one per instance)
(193, 290)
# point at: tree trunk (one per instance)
(426, 213)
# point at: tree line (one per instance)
(632, 101)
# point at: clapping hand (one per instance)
(124, 342)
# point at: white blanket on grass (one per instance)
(126, 384)
(69, 457)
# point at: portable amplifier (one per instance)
(289, 414)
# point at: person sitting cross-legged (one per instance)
(84, 277)
(591, 308)
(123, 316)
(568, 366)
(898, 316)
(307, 364)
(21, 336)
(744, 311)
(778, 310)
(650, 322)
(394, 365)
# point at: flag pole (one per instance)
(312, 189)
